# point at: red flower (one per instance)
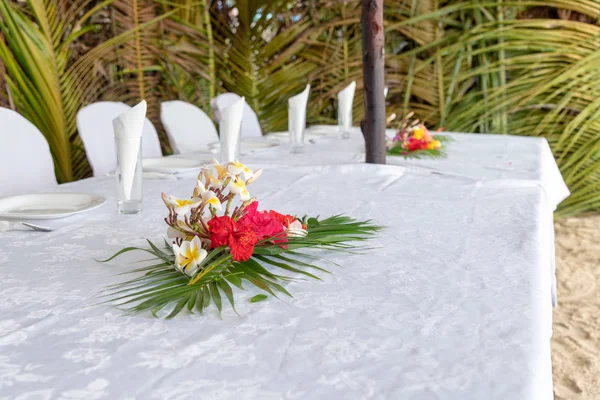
(285, 219)
(415, 144)
(242, 243)
(238, 236)
(220, 230)
(264, 224)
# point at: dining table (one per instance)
(451, 300)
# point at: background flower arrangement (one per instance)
(413, 140)
(220, 239)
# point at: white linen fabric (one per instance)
(452, 304)
(25, 160)
(477, 156)
(188, 127)
(128, 129)
(515, 159)
(345, 102)
(94, 124)
(297, 113)
(250, 124)
(229, 130)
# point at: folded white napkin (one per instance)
(229, 129)
(297, 112)
(345, 100)
(128, 131)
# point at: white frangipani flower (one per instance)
(295, 229)
(181, 206)
(189, 256)
(182, 231)
(238, 187)
(208, 196)
(236, 168)
(256, 175)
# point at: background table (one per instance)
(453, 305)
(513, 160)
(478, 156)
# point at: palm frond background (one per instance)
(492, 66)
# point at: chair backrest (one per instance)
(94, 123)
(189, 129)
(25, 160)
(250, 124)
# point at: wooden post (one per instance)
(373, 127)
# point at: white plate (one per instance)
(171, 165)
(249, 144)
(286, 135)
(48, 205)
(324, 130)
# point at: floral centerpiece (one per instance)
(220, 239)
(413, 140)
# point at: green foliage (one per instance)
(47, 85)
(161, 285)
(506, 71)
(492, 66)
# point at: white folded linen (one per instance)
(297, 112)
(128, 129)
(229, 129)
(345, 100)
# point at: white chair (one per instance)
(94, 123)
(189, 129)
(25, 159)
(250, 124)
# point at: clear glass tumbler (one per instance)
(345, 122)
(129, 175)
(230, 146)
(296, 128)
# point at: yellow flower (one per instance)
(434, 145)
(418, 133)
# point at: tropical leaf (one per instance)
(506, 73)
(45, 84)
(161, 284)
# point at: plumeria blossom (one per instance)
(189, 255)
(236, 168)
(208, 196)
(254, 177)
(215, 174)
(237, 186)
(296, 229)
(181, 206)
(181, 231)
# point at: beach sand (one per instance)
(576, 338)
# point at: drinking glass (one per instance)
(129, 183)
(296, 127)
(344, 122)
(230, 146)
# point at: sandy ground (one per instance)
(576, 338)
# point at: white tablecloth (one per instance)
(478, 156)
(514, 160)
(453, 305)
